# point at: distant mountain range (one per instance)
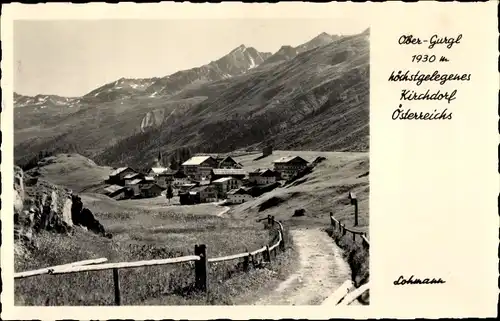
(311, 96)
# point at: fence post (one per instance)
(354, 201)
(201, 267)
(268, 254)
(246, 261)
(331, 220)
(269, 220)
(354, 237)
(116, 281)
(282, 243)
(355, 212)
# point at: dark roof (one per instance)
(180, 174)
(289, 159)
(150, 186)
(238, 191)
(265, 172)
(228, 158)
(120, 170)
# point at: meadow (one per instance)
(143, 234)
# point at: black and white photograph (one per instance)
(177, 162)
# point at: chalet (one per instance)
(203, 182)
(154, 171)
(133, 177)
(227, 172)
(179, 178)
(162, 175)
(150, 190)
(289, 166)
(117, 177)
(225, 184)
(134, 185)
(229, 162)
(268, 150)
(238, 196)
(116, 191)
(186, 187)
(207, 193)
(149, 179)
(198, 167)
(189, 198)
(262, 176)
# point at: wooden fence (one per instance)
(346, 293)
(200, 259)
(342, 229)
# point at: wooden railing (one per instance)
(200, 259)
(342, 229)
(346, 294)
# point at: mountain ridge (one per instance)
(323, 90)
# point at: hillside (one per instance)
(72, 171)
(323, 191)
(316, 99)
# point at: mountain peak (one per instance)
(239, 48)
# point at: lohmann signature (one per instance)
(412, 280)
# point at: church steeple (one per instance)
(158, 161)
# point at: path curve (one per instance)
(320, 272)
(224, 211)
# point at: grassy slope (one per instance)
(72, 171)
(322, 191)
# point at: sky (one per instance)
(73, 57)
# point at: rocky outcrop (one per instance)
(42, 206)
(82, 216)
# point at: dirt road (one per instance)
(321, 271)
